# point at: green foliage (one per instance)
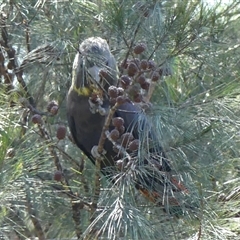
(195, 113)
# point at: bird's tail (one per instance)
(162, 187)
(161, 197)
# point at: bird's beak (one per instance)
(94, 72)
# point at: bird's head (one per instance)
(93, 57)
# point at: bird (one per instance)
(86, 115)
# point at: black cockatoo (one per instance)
(86, 117)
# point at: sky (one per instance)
(211, 2)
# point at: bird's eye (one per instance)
(95, 49)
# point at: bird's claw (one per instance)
(95, 152)
(96, 107)
(102, 111)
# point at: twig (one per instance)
(42, 86)
(129, 46)
(199, 235)
(12, 59)
(33, 217)
(21, 230)
(80, 167)
(151, 89)
(61, 189)
(46, 136)
(105, 127)
(69, 158)
(121, 149)
(27, 30)
(76, 205)
(101, 142)
(83, 179)
(76, 215)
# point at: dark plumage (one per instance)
(86, 122)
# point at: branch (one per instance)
(76, 215)
(80, 167)
(18, 70)
(76, 205)
(121, 149)
(33, 217)
(129, 46)
(12, 59)
(100, 149)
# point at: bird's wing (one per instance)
(153, 176)
(73, 130)
(135, 121)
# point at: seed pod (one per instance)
(126, 138)
(124, 64)
(144, 64)
(117, 122)
(133, 146)
(120, 100)
(61, 132)
(121, 129)
(145, 85)
(50, 105)
(37, 119)
(114, 134)
(132, 69)
(134, 90)
(138, 98)
(113, 91)
(54, 110)
(151, 64)
(103, 73)
(10, 153)
(138, 49)
(136, 61)
(141, 79)
(120, 91)
(58, 176)
(155, 76)
(125, 81)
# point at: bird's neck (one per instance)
(82, 91)
(87, 91)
